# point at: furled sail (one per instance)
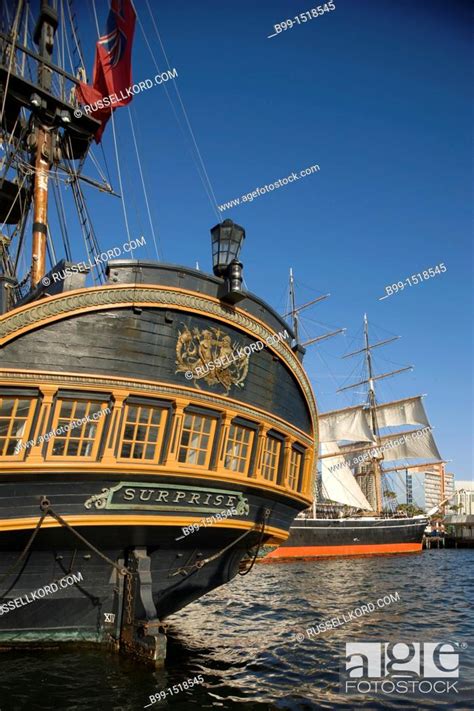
(338, 482)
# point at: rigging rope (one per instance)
(120, 181)
(71, 21)
(119, 173)
(13, 203)
(143, 185)
(207, 185)
(58, 199)
(12, 54)
(72, 68)
(175, 85)
(96, 20)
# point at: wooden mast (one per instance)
(40, 204)
(371, 378)
(44, 37)
(373, 414)
(294, 311)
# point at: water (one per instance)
(242, 639)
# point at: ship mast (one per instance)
(294, 312)
(44, 37)
(371, 378)
(373, 414)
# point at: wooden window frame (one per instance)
(278, 473)
(299, 473)
(250, 448)
(31, 419)
(75, 396)
(254, 428)
(166, 408)
(214, 436)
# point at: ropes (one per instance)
(45, 503)
(257, 550)
(14, 201)
(26, 549)
(120, 181)
(201, 563)
(73, 28)
(12, 54)
(200, 167)
(48, 511)
(143, 184)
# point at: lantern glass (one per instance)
(227, 239)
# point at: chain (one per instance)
(129, 580)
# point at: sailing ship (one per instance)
(131, 408)
(357, 452)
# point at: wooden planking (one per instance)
(126, 344)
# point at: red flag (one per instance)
(94, 106)
(112, 74)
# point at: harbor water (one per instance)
(244, 639)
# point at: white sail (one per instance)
(402, 412)
(349, 424)
(417, 444)
(354, 424)
(338, 482)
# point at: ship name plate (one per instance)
(143, 496)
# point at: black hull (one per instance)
(91, 610)
(315, 538)
(82, 611)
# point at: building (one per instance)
(460, 521)
(428, 488)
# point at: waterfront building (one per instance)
(460, 521)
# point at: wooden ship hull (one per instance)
(323, 538)
(155, 451)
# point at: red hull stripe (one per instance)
(322, 551)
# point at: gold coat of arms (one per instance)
(210, 355)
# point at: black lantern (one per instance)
(227, 239)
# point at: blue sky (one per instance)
(377, 93)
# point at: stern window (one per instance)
(196, 440)
(271, 458)
(142, 432)
(238, 449)
(295, 472)
(77, 425)
(14, 423)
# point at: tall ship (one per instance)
(354, 508)
(156, 425)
